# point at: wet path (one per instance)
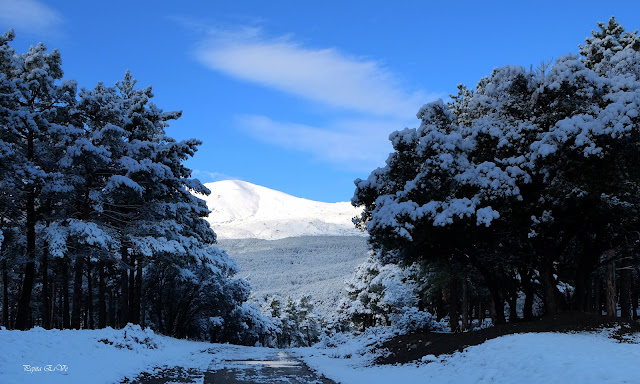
(279, 368)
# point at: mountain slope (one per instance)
(241, 210)
(316, 266)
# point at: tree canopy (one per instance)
(531, 175)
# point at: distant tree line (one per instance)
(525, 188)
(98, 225)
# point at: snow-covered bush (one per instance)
(410, 319)
(133, 337)
(380, 294)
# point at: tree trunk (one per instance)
(5, 294)
(76, 311)
(52, 301)
(626, 281)
(89, 294)
(597, 296)
(440, 309)
(124, 291)
(513, 306)
(452, 305)
(132, 289)
(498, 305)
(529, 294)
(612, 309)
(46, 306)
(138, 292)
(102, 309)
(66, 323)
(552, 297)
(589, 294)
(112, 309)
(634, 298)
(24, 302)
(465, 304)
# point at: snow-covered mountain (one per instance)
(241, 210)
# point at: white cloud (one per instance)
(326, 75)
(360, 88)
(29, 16)
(357, 145)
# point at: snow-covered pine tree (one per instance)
(604, 43)
(33, 112)
(94, 177)
(540, 162)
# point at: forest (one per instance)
(518, 197)
(514, 199)
(98, 225)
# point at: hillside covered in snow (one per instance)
(241, 210)
(315, 266)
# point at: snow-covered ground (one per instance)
(588, 357)
(107, 356)
(79, 356)
(241, 210)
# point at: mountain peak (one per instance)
(241, 210)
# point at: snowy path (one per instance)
(277, 368)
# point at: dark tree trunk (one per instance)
(626, 286)
(634, 298)
(452, 305)
(102, 309)
(589, 294)
(66, 323)
(24, 302)
(597, 296)
(46, 306)
(132, 289)
(124, 289)
(553, 302)
(498, 304)
(585, 266)
(5, 294)
(52, 311)
(612, 309)
(89, 302)
(513, 306)
(138, 292)
(465, 304)
(440, 309)
(112, 309)
(76, 311)
(529, 294)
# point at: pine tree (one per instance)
(536, 162)
(34, 111)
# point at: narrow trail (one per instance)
(279, 368)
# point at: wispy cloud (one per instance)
(363, 89)
(29, 16)
(323, 75)
(357, 145)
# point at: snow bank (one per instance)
(105, 355)
(525, 358)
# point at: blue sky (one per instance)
(300, 96)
